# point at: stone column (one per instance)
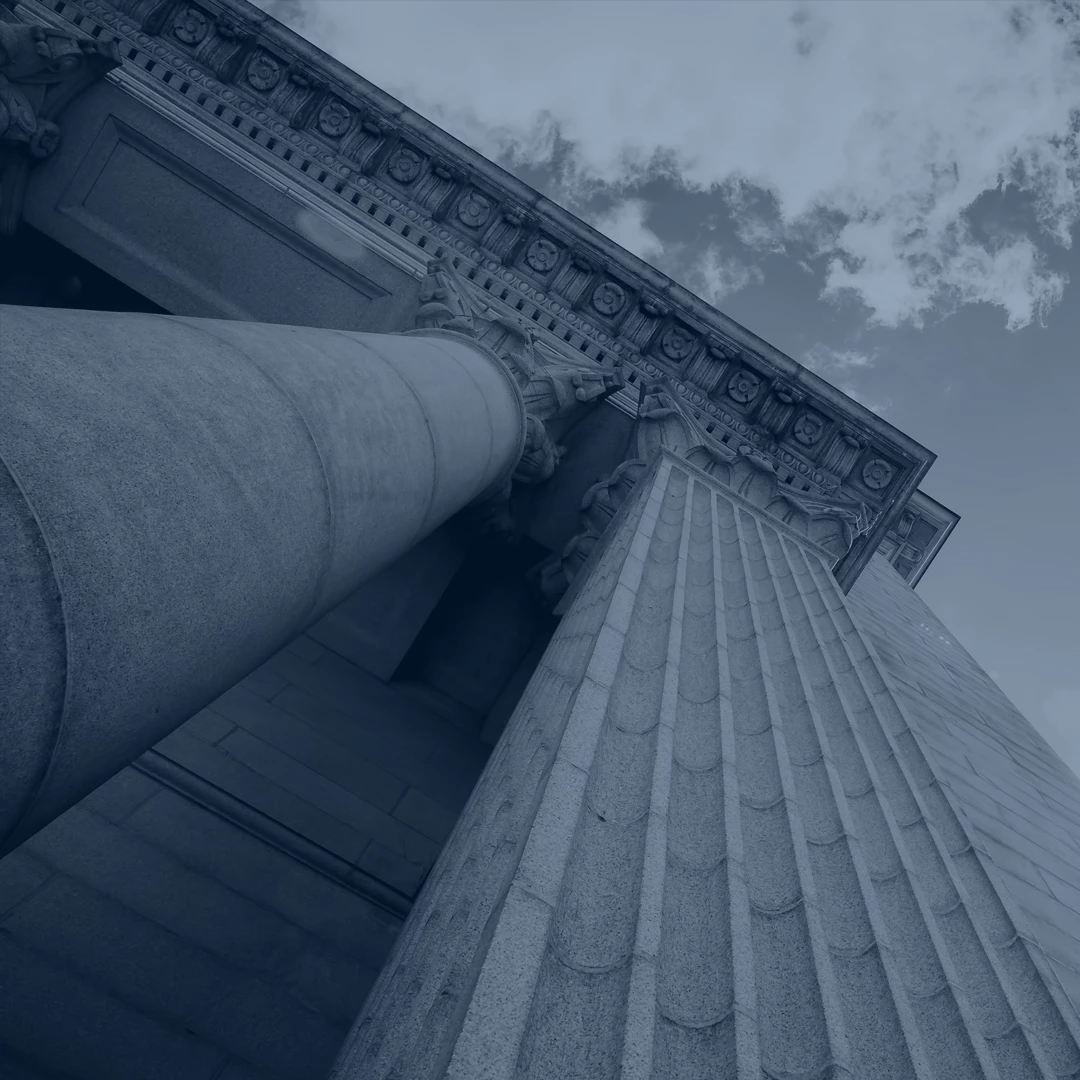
(708, 844)
(180, 497)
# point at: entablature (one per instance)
(387, 177)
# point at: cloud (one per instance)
(711, 273)
(864, 139)
(625, 224)
(824, 359)
(714, 275)
(838, 367)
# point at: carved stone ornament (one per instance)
(598, 506)
(877, 473)
(542, 255)
(41, 71)
(190, 25)
(609, 298)
(808, 428)
(652, 307)
(474, 210)
(540, 456)
(677, 343)
(743, 387)
(405, 165)
(334, 119)
(263, 72)
(555, 389)
(663, 420)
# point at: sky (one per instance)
(888, 192)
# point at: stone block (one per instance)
(296, 739)
(305, 648)
(121, 794)
(237, 1070)
(380, 743)
(166, 978)
(392, 867)
(100, 1038)
(360, 695)
(332, 983)
(264, 794)
(208, 725)
(448, 779)
(157, 885)
(329, 797)
(425, 815)
(268, 877)
(264, 681)
(20, 875)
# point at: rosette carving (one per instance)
(677, 343)
(474, 210)
(334, 119)
(404, 165)
(808, 428)
(190, 25)
(609, 298)
(542, 255)
(264, 72)
(743, 387)
(877, 473)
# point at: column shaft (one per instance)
(180, 497)
(707, 847)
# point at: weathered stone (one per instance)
(183, 496)
(708, 844)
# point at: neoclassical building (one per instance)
(434, 644)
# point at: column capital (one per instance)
(555, 390)
(42, 69)
(666, 426)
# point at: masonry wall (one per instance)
(1021, 799)
(220, 908)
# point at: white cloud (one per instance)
(625, 224)
(709, 272)
(826, 360)
(839, 366)
(714, 275)
(868, 132)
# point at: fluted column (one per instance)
(708, 845)
(180, 497)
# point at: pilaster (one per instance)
(708, 845)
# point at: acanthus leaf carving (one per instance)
(41, 70)
(664, 420)
(555, 389)
(598, 506)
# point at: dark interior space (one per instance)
(36, 271)
(487, 624)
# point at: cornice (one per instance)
(918, 535)
(380, 171)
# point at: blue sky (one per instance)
(888, 192)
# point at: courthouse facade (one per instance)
(433, 643)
